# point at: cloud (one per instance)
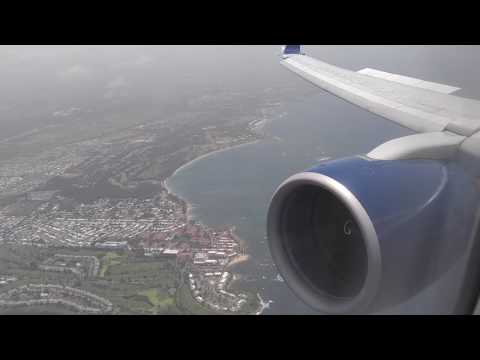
(138, 62)
(143, 60)
(116, 88)
(118, 82)
(75, 72)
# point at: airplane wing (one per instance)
(383, 233)
(413, 103)
(379, 233)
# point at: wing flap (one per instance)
(416, 108)
(406, 80)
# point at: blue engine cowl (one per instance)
(358, 235)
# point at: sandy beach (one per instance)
(238, 260)
(190, 207)
(193, 161)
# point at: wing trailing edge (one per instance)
(415, 104)
(406, 80)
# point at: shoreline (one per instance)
(239, 259)
(263, 305)
(203, 156)
(190, 206)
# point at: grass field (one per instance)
(107, 261)
(188, 305)
(160, 301)
(134, 284)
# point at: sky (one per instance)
(40, 72)
(38, 80)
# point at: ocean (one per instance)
(233, 187)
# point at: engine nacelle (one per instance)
(358, 235)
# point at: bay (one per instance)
(233, 187)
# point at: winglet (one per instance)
(291, 50)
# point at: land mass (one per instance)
(90, 227)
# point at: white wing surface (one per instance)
(413, 103)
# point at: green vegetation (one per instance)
(133, 283)
(107, 261)
(138, 285)
(188, 305)
(158, 300)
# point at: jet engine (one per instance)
(359, 235)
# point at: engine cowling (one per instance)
(358, 235)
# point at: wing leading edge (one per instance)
(419, 105)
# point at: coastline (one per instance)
(237, 260)
(263, 305)
(189, 207)
(203, 156)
